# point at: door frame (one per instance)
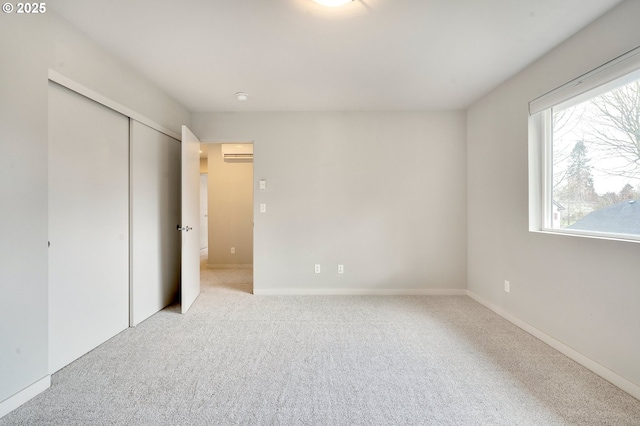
(255, 191)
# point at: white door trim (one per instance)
(56, 77)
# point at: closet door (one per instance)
(88, 225)
(155, 213)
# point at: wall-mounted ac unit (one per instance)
(237, 151)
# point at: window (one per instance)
(586, 149)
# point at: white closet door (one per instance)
(88, 225)
(155, 213)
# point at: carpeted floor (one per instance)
(239, 359)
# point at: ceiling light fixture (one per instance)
(242, 96)
(333, 3)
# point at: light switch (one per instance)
(263, 184)
(263, 208)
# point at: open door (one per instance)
(190, 226)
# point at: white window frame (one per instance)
(541, 140)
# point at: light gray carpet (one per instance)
(256, 360)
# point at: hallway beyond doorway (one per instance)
(224, 280)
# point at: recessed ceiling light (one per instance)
(242, 96)
(333, 3)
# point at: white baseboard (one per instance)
(13, 402)
(229, 266)
(358, 292)
(602, 371)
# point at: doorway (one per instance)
(229, 201)
(204, 220)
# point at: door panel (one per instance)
(190, 221)
(155, 211)
(88, 225)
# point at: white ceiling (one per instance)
(292, 55)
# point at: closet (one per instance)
(113, 206)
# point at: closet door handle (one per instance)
(185, 228)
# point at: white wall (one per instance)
(77, 57)
(383, 193)
(28, 46)
(23, 209)
(583, 292)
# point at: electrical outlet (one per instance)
(233, 250)
(507, 286)
(263, 208)
(317, 268)
(341, 269)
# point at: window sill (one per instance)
(593, 235)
